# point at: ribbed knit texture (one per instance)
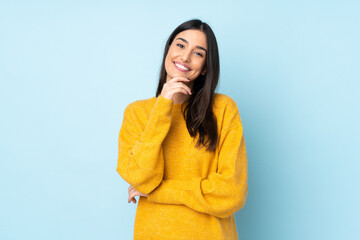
(192, 194)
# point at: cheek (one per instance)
(168, 63)
(169, 57)
(200, 66)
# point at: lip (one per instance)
(182, 70)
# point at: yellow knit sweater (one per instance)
(192, 194)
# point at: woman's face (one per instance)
(189, 48)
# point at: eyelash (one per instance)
(183, 45)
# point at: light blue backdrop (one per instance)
(68, 70)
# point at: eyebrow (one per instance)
(184, 40)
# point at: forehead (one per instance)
(193, 36)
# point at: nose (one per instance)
(186, 56)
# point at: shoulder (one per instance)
(142, 102)
(224, 102)
(226, 111)
(139, 106)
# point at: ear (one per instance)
(204, 71)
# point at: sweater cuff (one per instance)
(164, 100)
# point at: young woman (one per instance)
(183, 151)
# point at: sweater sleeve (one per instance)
(140, 154)
(223, 192)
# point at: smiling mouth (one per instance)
(181, 68)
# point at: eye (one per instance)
(200, 54)
(181, 46)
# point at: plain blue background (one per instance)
(69, 69)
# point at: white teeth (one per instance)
(182, 67)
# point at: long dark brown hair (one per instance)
(198, 113)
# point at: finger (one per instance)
(132, 191)
(180, 89)
(131, 198)
(131, 195)
(180, 84)
(185, 91)
(176, 79)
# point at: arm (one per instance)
(140, 155)
(223, 192)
